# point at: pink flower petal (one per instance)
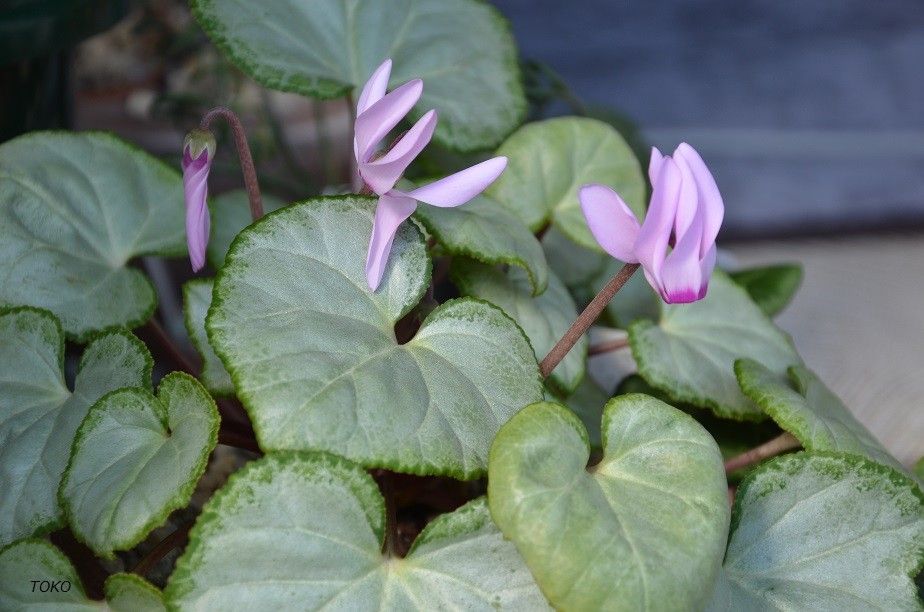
(654, 165)
(382, 117)
(195, 193)
(375, 87)
(709, 197)
(682, 276)
(706, 266)
(688, 204)
(462, 186)
(392, 210)
(655, 233)
(610, 220)
(382, 174)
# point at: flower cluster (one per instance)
(675, 244)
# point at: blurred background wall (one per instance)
(810, 112)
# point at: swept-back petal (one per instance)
(610, 220)
(462, 186)
(382, 117)
(382, 174)
(375, 87)
(655, 233)
(654, 165)
(709, 197)
(195, 193)
(681, 275)
(392, 210)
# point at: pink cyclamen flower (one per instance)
(377, 114)
(198, 152)
(685, 213)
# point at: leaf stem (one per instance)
(780, 444)
(586, 319)
(243, 152)
(175, 539)
(91, 571)
(172, 350)
(391, 514)
(607, 346)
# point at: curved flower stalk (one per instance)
(377, 114)
(198, 153)
(685, 212)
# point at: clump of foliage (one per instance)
(401, 447)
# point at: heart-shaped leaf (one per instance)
(823, 531)
(74, 209)
(230, 213)
(36, 575)
(690, 353)
(802, 405)
(39, 414)
(313, 353)
(486, 231)
(771, 287)
(136, 458)
(645, 527)
(311, 528)
(197, 297)
(462, 49)
(550, 160)
(544, 319)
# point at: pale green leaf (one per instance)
(690, 353)
(74, 210)
(544, 319)
(823, 531)
(771, 287)
(131, 593)
(802, 405)
(462, 49)
(305, 531)
(550, 160)
(314, 358)
(587, 402)
(197, 297)
(230, 213)
(643, 529)
(25, 565)
(136, 458)
(486, 231)
(39, 415)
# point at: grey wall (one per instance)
(810, 112)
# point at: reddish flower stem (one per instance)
(771, 448)
(174, 540)
(586, 319)
(243, 152)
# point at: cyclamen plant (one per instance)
(402, 391)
